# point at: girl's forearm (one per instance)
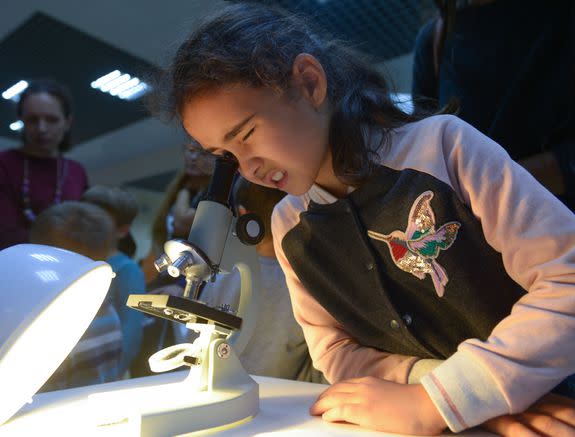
(429, 414)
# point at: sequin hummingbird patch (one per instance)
(415, 250)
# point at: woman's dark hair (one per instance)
(256, 46)
(59, 92)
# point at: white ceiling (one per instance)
(149, 29)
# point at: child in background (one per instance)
(178, 208)
(88, 230)
(173, 220)
(407, 242)
(129, 279)
(278, 346)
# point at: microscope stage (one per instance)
(179, 309)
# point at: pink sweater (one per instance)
(529, 351)
(14, 227)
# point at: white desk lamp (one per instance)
(49, 298)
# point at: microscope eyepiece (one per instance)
(222, 179)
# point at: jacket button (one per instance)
(407, 319)
(369, 266)
(394, 324)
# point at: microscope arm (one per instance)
(245, 259)
(231, 253)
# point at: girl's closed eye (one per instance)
(249, 134)
(219, 153)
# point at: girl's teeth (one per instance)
(278, 175)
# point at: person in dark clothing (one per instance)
(509, 66)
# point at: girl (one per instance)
(410, 246)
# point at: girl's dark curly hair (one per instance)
(256, 45)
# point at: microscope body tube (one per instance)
(210, 229)
(213, 216)
(222, 180)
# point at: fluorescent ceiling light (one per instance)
(17, 125)
(15, 90)
(114, 83)
(121, 85)
(105, 79)
(134, 92)
(124, 86)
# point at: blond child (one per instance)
(123, 208)
(88, 230)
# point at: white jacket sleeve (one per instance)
(533, 349)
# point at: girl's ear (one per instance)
(309, 77)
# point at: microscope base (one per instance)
(171, 409)
(219, 408)
(215, 394)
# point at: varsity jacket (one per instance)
(449, 251)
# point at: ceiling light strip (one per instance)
(15, 90)
(17, 125)
(121, 85)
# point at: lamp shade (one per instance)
(49, 297)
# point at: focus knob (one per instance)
(250, 229)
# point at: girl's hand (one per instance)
(380, 405)
(552, 415)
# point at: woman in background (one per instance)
(36, 175)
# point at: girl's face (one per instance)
(279, 141)
(44, 124)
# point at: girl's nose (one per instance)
(249, 168)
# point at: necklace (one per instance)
(61, 171)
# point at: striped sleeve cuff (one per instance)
(464, 392)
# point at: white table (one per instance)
(283, 412)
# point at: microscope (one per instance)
(217, 391)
